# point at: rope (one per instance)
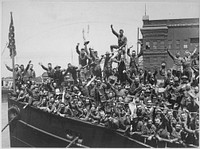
(4, 49)
(8, 124)
(70, 144)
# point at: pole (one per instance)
(137, 40)
(8, 124)
(13, 65)
(72, 60)
(70, 144)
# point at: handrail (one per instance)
(166, 141)
(73, 141)
(119, 130)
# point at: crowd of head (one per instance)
(126, 97)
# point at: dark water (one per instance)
(5, 140)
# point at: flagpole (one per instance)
(13, 65)
(137, 40)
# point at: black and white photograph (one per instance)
(99, 74)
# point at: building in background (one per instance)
(178, 35)
(7, 82)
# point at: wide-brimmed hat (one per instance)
(112, 79)
(62, 103)
(57, 92)
(176, 79)
(184, 77)
(107, 53)
(57, 67)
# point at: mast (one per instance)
(72, 56)
(12, 49)
(137, 40)
(13, 66)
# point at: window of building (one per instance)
(169, 44)
(162, 58)
(147, 45)
(194, 40)
(185, 44)
(177, 44)
(162, 44)
(155, 44)
(154, 60)
(147, 60)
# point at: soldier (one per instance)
(31, 72)
(107, 65)
(73, 70)
(49, 69)
(133, 61)
(187, 61)
(16, 74)
(122, 40)
(58, 76)
(177, 67)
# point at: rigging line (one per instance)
(88, 28)
(4, 49)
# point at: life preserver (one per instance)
(13, 113)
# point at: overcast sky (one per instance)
(48, 31)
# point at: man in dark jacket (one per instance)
(73, 70)
(122, 40)
(133, 61)
(49, 69)
(58, 76)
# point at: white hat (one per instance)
(57, 91)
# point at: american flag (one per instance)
(11, 37)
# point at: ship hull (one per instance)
(36, 128)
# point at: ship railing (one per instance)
(165, 143)
(142, 138)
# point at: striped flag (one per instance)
(11, 37)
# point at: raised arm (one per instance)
(192, 54)
(170, 54)
(34, 75)
(141, 53)
(75, 67)
(101, 58)
(77, 49)
(128, 78)
(115, 60)
(29, 91)
(113, 31)
(195, 70)
(65, 73)
(10, 69)
(124, 44)
(92, 54)
(86, 49)
(88, 57)
(28, 65)
(184, 125)
(128, 52)
(43, 67)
